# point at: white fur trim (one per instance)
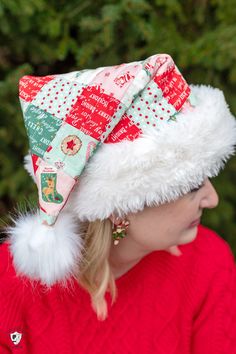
(29, 166)
(43, 252)
(161, 165)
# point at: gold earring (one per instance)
(119, 231)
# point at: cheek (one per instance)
(153, 235)
(181, 221)
(158, 230)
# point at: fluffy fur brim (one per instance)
(45, 253)
(161, 165)
(28, 165)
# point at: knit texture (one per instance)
(165, 305)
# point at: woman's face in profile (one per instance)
(156, 228)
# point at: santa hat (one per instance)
(112, 140)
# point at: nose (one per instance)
(210, 198)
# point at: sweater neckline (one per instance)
(134, 269)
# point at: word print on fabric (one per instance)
(42, 128)
(123, 79)
(30, 86)
(93, 113)
(174, 87)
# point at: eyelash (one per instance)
(196, 189)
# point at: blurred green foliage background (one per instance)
(43, 37)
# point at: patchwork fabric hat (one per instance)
(112, 140)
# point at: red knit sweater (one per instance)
(165, 305)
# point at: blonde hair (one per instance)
(95, 274)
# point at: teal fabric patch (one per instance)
(58, 96)
(71, 149)
(193, 99)
(41, 128)
(50, 219)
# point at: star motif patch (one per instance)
(71, 145)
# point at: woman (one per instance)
(115, 260)
(162, 227)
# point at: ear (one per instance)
(116, 220)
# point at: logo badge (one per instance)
(16, 337)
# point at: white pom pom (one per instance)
(46, 253)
